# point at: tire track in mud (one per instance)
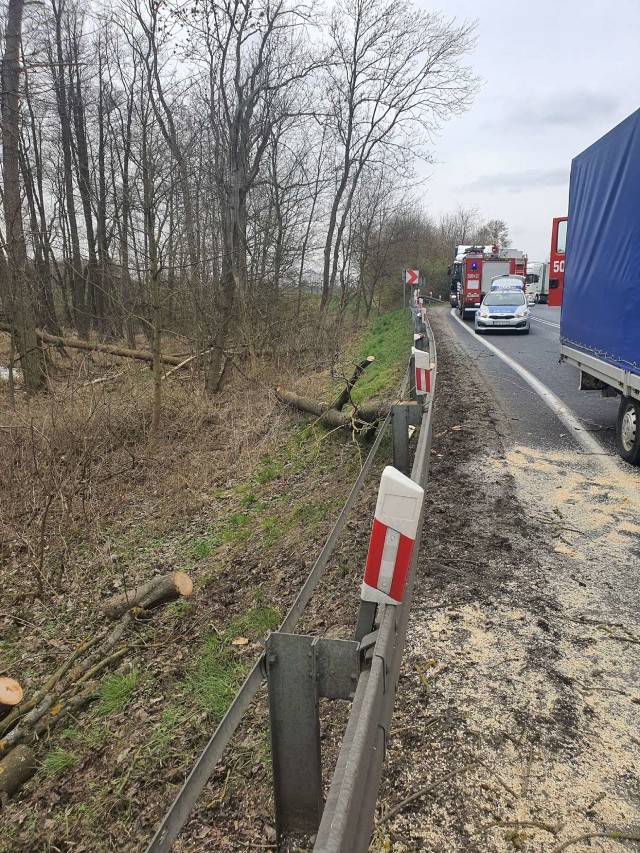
(522, 669)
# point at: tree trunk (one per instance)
(367, 415)
(110, 349)
(78, 285)
(153, 284)
(112, 326)
(155, 591)
(16, 768)
(16, 296)
(128, 297)
(344, 398)
(50, 267)
(94, 293)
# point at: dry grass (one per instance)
(88, 505)
(77, 463)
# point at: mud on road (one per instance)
(518, 711)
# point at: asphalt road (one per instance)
(531, 420)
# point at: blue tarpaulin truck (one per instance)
(600, 320)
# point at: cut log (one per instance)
(345, 397)
(11, 694)
(36, 698)
(365, 416)
(16, 768)
(155, 591)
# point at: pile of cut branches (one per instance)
(75, 683)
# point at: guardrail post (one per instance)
(300, 669)
(412, 378)
(403, 416)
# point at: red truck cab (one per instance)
(556, 260)
(470, 287)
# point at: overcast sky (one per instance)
(558, 74)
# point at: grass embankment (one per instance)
(388, 338)
(237, 492)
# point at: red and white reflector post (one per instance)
(422, 361)
(394, 531)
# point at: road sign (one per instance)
(411, 277)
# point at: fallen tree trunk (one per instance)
(11, 694)
(16, 768)
(364, 416)
(155, 591)
(96, 346)
(345, 397)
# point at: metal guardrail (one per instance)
(347, 819)
(186, 799)
(347, 816)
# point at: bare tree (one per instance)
(61, 82)
(376, 212)
(396, 75)
(495, 231)
(255, 61)
(460, 227)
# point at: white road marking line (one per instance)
(562, 412)
(546, 322)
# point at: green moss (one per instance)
(216, 678)
(251, 502)
(202, 547)
(254, 623)
(92, 735)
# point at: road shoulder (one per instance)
(517, 714)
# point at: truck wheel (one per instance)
(628, 430)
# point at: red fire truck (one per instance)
(556, 260)
(479, 267)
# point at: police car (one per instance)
(504, 307)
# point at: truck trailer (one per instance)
(600, 320)
(538, 282)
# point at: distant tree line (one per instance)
(201, 168)
(395, 237)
